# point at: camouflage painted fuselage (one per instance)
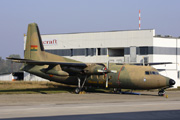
(127, 77)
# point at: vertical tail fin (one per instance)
(34, 47)
(35, 50)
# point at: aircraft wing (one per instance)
(27, 61)
(75, 67)
(158, 63)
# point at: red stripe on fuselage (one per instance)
(119, 74)
(120, 71)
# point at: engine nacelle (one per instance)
(55, 70)
(58, 73)
(96, 69)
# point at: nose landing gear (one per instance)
(161, 92)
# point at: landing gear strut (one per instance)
(79, 88)
(161, 92)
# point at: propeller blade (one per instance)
(107, 75)
(106, 81)
(113, 71)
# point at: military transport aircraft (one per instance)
(63, 70)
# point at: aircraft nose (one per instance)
(172, 82)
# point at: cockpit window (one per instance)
(155, 73)
(151, 73)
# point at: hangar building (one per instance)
(132, 46)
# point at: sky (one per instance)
(71, 16)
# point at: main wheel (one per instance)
(77, 90)
(117, 90)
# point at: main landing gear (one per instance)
(117, 90)
(79, 88)
(162, 92)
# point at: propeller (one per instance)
(109, 71)
(105, 71)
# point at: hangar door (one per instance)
(132, 54)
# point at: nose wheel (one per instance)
(161, 92)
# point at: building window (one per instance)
(93, 51)
(103, 51)
(78, 52)
(116, 52)
(90, 51)
(86, 52)
(74, 52)
(143, 50)
(71, 52)
(99, 51)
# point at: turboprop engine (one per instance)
(96, 69)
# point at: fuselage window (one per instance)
(155, 73)
(147, 72)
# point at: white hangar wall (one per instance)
(167, 49)
(133, 46)
(101, 39)
(109, 42)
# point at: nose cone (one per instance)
(172, 82)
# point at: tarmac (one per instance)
(96, 106)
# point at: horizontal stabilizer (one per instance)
(150, 64)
